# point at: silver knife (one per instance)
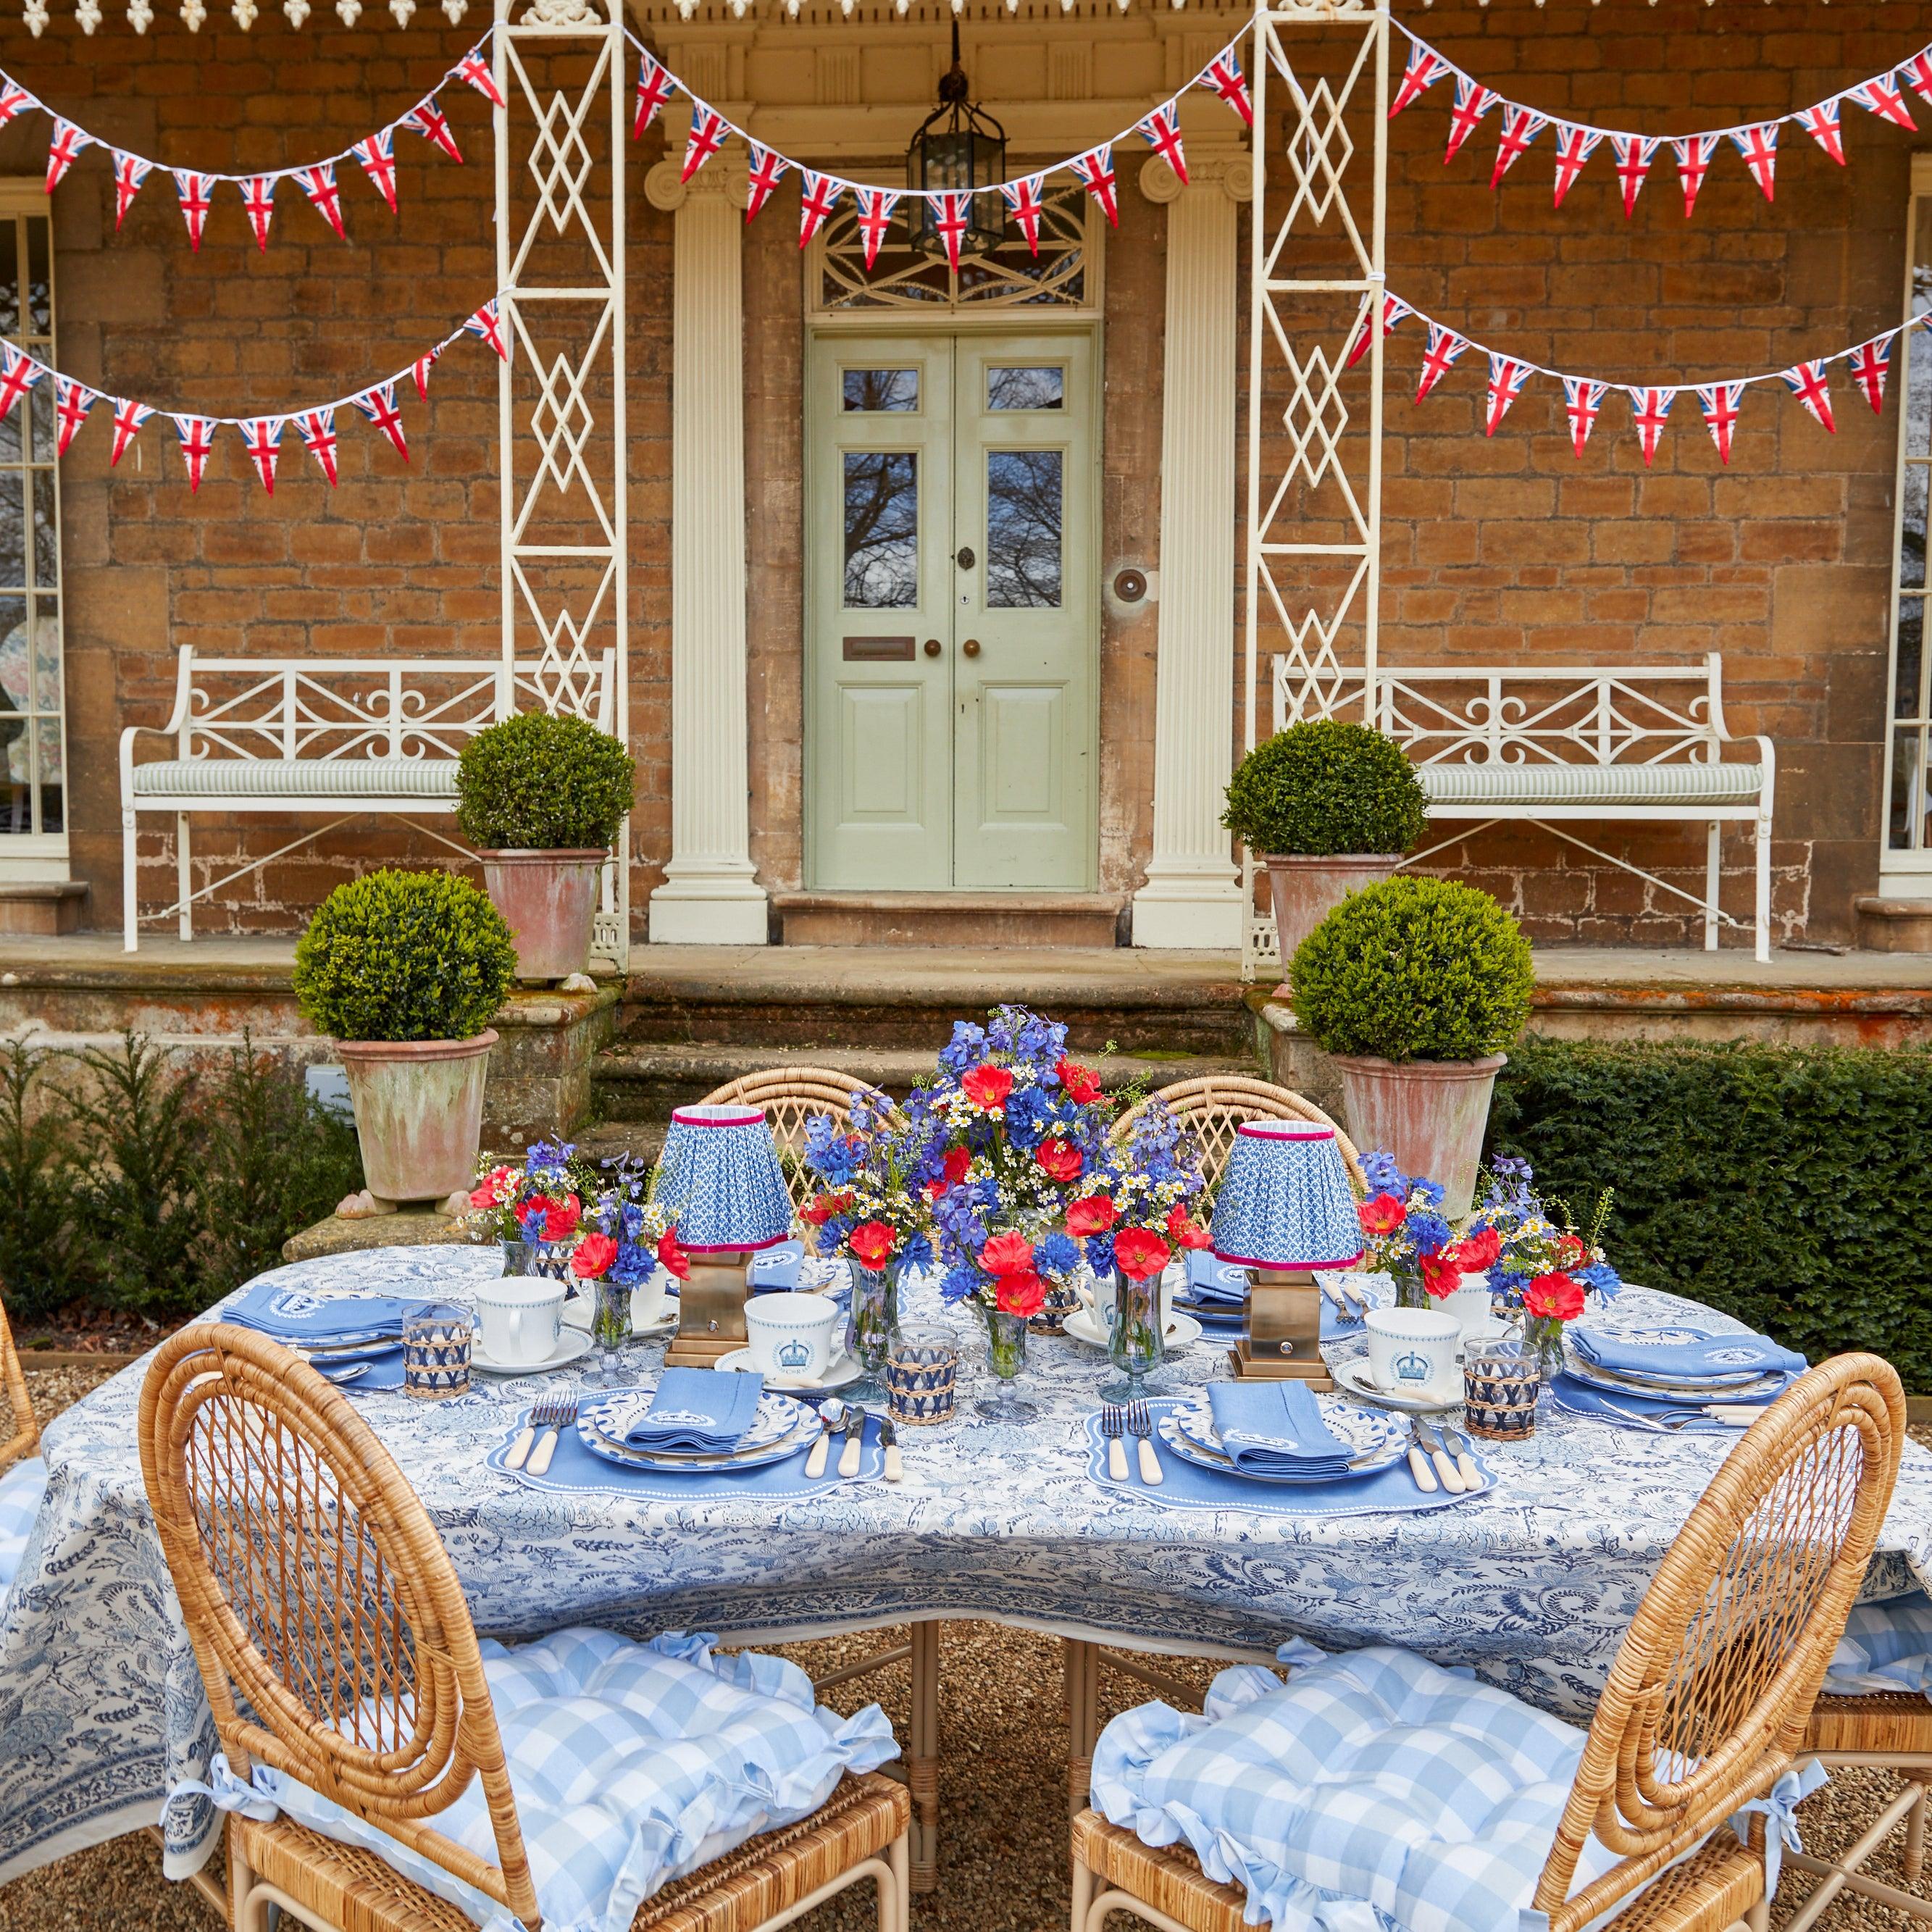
(1466, 1464)
(1445, 1465)
(855, 1441)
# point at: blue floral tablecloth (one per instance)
(101, 1708)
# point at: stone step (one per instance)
(949, 919)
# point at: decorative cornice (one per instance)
(1232, 175)
(720, 181)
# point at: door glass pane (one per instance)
(1912, 526)
(1908, 826)
(1026, 388)
(881, 529)
(1905, 692)
(894, 389)
(1023, 524)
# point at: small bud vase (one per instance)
(1133, 1337)
(1409, 1292)
(609, 1329)
(1005, 1358)
(871, 1328)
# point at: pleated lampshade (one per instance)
(721, 1177)
(1284, 1201)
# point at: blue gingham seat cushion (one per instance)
(1886, 1646)
(21, 1489)
(632, 1764)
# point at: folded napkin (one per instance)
(777, 1268)
(1685, 1354)
(1210, 1279)
(1275, 1429)
(703, 1410)
(294, 1315)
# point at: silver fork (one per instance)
(539, 1418)
(565, 1415)
(1113, 1424)
(1140, 1426)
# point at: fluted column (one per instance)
(1193, 894)
(710, 896)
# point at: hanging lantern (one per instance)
(959, 149)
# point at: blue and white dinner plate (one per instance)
(779, 1428)
(1380, 1439)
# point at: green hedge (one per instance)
(1784, 1185)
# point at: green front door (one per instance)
(952, 612)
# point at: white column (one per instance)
(709, 896)
(1193, 895)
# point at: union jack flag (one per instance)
(708, 130)
(13, 100)
(1881, 97)
(258, 197)
(128, 417)
(377, 155)
(1648, 408)
(1096, 169)
(1634, 156)
(655, 87)
(1693, 155)
(263, 436)
(875, 214)
(67, 142)
(1161, 129)
(1426, 67)
(379, 405)
(475, 70)
(1719, 401)
(420, 369)
(1223, 74)
(197, 440)
(1918, 71)
(318, 183)
(817, 194)
(767, 170)
(129, 171)
(1473, 100)
(1445, 348)
(1870, 362)
(18, 374)
(317, 430)
(1521, 126)
(1574, 146)
(1758, 146)
(429, 121)
(1506, 378)
(1394, 309)
(1582, 399)
(1821, 123)
(72, 401)
(491, 325)
(1806, 381)
(950, 217)
(195, 192)
(1022, 200)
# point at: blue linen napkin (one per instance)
(1211, 1280)
(1702, 1356)
(295, 1314)
(1276, 1428)
(777, 1268)
(703, 1410)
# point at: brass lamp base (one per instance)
(710, 1311)
(1281, 1340)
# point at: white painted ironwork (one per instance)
(560, 152)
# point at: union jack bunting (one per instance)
(377, 157)
(129, 171)
(1648, 408)
(1521, 126)
(875, 215)
(317, 431)
(318, 183)
(1574, 146)
(258, 197)
(1719, 401)
(655, 87)
(1023, 204)
(197, 440)
(379, 405)
(1634, 154)
(816, 196)
(429, 121)
(1821, 123)
(1445, 347)
(1096, 169)
(950, 217)
(1582, 400)
(128, 417)
(13, 100)
(1223, 74)
(490, 325)
(1161, 129)
(262, 436)
(767, 170)
(1870, 362)
(1693, 155)
(1758, 146)
(1394, 309)
(67, 143)
(475, 70)
(708, 130)
(18, 374)
(1881, 97)
(1918, 71)
(1806, 381)
(1506, 378)
(196, 192)
(1473, 100)
(1426, 67)
(72, 401)
(420, 369)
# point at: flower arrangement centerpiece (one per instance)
(1405, 1234)
(535, 1209)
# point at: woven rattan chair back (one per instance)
(332, 1636)
(790, 1096)
(1212, 1109)
(23, 1434)
(1709, 1696)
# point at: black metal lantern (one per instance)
(958, 149)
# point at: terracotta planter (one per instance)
(419, 1112)
(1429, 1114)
(548, 900)
(1306, 891)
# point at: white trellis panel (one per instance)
(561, 136)
(1316, 272)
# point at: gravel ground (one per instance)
(1002, 1846)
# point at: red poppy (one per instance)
(1021, 1294)
(593, 1256)
(1182, 1230)
(872, 1242)
(1382, 1216)
(821, 1208)
(1570, 1251)
(1077, 1082)
(1059, 1161)
(674, 1257)
(1554, 1294)
(1441, 1274)
(1139, 1253)
(988, 1086)
(1481, 1250)
(1092, 1214)
(956, 1165)
(1007, 1254)
(561, 1217)
(491, 1188)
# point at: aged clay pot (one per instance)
(548, 900)
(1306, 891)
(1429, 1114)
(419, 1112)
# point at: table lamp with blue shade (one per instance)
(1284, 1209)
(719, 1174)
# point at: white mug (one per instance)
(1098, 1299)
(648, 1299)
(1412, 1350)
(790, 1335)
(520, 1316)
(1469, 1303)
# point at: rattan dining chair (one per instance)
(1214, 1106)
(790, 1096)
(1708, 1700)
(337, 1649)
(24, 1433)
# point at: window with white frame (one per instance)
(33, 809)
(1907, 856)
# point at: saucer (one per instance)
(1181, 1329)
(663, 1325)
(1353, 1376)
(843, 1373)
(572, 1345)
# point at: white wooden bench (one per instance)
(344, 737)
(1553, 747)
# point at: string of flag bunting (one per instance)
(1517, 127)
(952, 215)
(262, 435)
(1719, 402)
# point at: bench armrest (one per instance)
(177, 720)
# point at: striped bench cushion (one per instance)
(345, 778)
(1591, 784)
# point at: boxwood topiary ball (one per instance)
(536, 782)
(1414, 969)
(403, 956)
(1326, 786)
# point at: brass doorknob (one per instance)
(932, 647)
(971, 647)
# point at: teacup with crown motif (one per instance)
(790, 1336)
(1412, 1351)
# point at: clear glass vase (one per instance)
(871, 1328)
(1006, 1359)
(1409, 1292)
(610, 1330)
(1133, 1338)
